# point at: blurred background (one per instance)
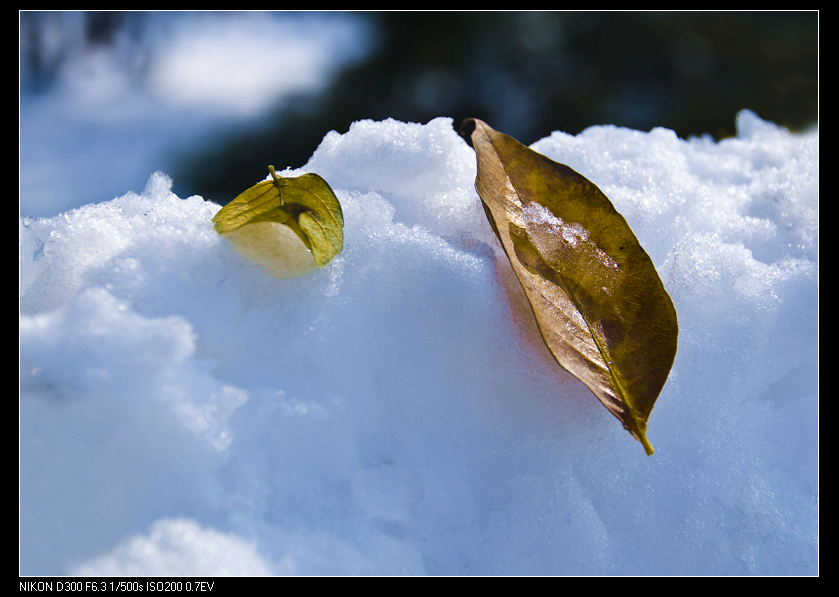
(107, 98)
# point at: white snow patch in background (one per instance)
(122, 111)
(385, 415)
(245, 63)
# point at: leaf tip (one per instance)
(646, 443)
(467, 127)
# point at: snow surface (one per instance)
(184, 412)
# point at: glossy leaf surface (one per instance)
(598, 300)
(306, 204)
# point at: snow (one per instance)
(182, 411)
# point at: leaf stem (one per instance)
(277, 184)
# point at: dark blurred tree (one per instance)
(530, 73)
(525, 73)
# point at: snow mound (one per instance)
(184, 412)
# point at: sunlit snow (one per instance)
(393, 412)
